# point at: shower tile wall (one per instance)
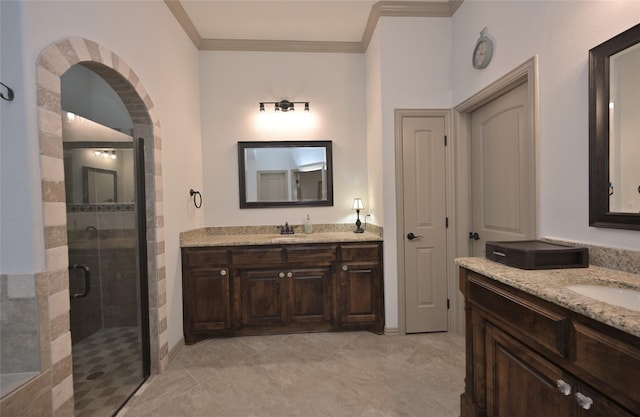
(19, 345)
(111, 255)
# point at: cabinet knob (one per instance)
(281, 274)
(289, 274)
(223, 272)
(583, 401)
(563, 387)
(344, 267)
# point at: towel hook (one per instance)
(10, 95)
(197, 197)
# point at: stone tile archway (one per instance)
(53, 283)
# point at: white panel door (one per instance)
(503, 171)
(423, 160)
(272, 186)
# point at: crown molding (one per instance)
(184, 21)
(278, 45)
(378, 10)
(406, 9)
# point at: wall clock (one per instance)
(483, 51)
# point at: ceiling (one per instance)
(293, 25)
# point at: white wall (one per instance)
(87, 94)
(374, 129)
(561, 34)
(147, 37)
(408, 66)
(233, 83)
(21, 224)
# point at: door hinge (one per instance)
(447, 304)
(446, 222)
(445, 140)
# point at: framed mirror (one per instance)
(99, 185)
(614, 132)
(285, 174)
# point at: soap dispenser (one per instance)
(308, 227)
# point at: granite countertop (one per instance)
(550, 285)
(204, 239)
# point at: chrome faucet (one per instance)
(286, 229)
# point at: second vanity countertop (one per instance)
(550, 285)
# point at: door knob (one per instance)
(474, 236)
(411, 236)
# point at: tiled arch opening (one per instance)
(53, 283)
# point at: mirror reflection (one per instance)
(624, 131)
(286, 173)
(98, 162)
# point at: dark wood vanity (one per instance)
(526, 356)
(281, 288)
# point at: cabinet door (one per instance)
(522, 383)
(263, 297)
(360, 294)
(207, 307)
(309, 295)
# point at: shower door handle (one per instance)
(87, 280)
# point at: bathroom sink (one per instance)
(622, 297)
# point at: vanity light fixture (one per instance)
(284, 105)
(105, 154)
(357, 206)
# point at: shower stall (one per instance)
(104, 187)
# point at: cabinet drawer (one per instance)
(360, 252)
(205, 257)
(315, 254)
(525, 318)
(611, 361)
(259, 256)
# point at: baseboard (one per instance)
(391, 331)
(175, 351)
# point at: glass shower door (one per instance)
(106, 283)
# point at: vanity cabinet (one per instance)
(529, 357)
(269, 289)
(206, 278)
(285, 297)
(360, 286)
(279, 288)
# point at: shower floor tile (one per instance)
(107, 368)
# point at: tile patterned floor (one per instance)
(309, 375)
(107, 368)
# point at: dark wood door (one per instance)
(208, 307)
(309, 295)
(263, 297)
(522, 383)
(360, 293)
